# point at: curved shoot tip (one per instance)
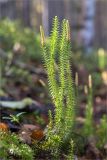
(42, 36)
(68, 30)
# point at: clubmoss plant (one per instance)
(102, 132)
(70, 155)
(57, 63)
(11, 147)
(88, 125)
(77, 92)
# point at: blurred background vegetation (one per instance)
(87, 18)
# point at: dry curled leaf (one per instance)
(4, 127)
(37, 134)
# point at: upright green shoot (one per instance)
(60, 82)
(88, 126)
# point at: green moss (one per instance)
(11, 146)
